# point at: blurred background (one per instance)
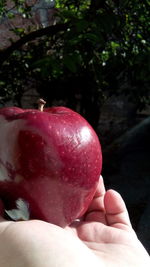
(94, 57)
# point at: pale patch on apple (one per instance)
(21, 213)
(9, 134)
(4, 174)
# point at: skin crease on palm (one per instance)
(104, 237)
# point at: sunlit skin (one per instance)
(104, 238)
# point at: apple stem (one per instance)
(41, 104)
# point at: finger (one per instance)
(116, 211)
(96, 210)
(100, 191)
(98, 200)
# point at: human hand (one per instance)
(103, 238)
(107, 231)
(37, 243)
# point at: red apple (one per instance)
(51, 159)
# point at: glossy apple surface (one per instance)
(50, 159)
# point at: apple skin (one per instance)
(50, 159)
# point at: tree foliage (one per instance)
(97, 49)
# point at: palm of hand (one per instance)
(107, 231)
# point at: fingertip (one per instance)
(100, 191)
(114, 203)
(116, 211)
(114, 193)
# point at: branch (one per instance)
(50, 30)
